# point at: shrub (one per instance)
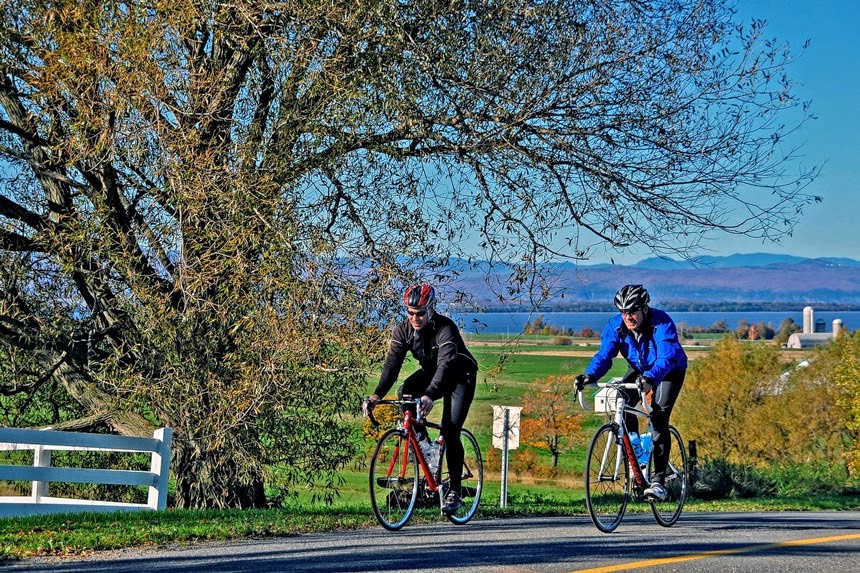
(751, 482)
(712, 480)
(524, 462)
(387, 415)
(719, 479)
(811, 479)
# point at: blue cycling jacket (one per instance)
(657, 352)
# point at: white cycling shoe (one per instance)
(453, 503)
(656, 491)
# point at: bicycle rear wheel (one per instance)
(472, 479)
(676, 482)
(607, 479)
(393, 480)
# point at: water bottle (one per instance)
(431, 453)
(645, 440)
(636, 442)
(437, 454)
(426, 447)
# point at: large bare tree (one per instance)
(209, 208)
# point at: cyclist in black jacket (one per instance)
(447, 370)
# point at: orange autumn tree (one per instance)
(549, 421)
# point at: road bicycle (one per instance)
(401, 478)
(614, 475)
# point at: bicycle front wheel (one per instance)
(472, 479)
(676, 482)
(393, 480)
(607, 479)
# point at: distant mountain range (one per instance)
(759, 279)
(733, 261)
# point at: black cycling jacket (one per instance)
(439, 349)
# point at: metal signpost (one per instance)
(506, 437)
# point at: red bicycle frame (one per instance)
(412, 439)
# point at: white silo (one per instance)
(808, 323)
(837, 327)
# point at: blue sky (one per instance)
(827, 74)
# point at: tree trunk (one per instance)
(216, 483)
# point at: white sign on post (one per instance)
(506, 436)
(513, 427)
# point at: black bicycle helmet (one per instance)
(418, 296)
(631, 298)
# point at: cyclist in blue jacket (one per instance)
(647, 338)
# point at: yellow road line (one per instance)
(695, 556)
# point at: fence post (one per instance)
(42, 459)
(160, 466)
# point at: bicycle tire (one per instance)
(606, 492)
(676, 482)
(472, 481)
(393, 485)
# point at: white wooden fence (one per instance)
(41, 473)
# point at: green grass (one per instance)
(705, 335)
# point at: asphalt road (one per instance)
(824, 542)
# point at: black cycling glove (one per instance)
(645, 384)
(581, 381)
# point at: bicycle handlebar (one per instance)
(620, 385)
(625, 385)
(367, 407)
(581, 397)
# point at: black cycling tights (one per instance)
(664, 400)
(455, 408)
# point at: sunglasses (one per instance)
(629, 312)
(418, 313)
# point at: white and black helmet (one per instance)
(631, 298)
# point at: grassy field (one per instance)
(528, 495)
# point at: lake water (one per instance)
(513, 322)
